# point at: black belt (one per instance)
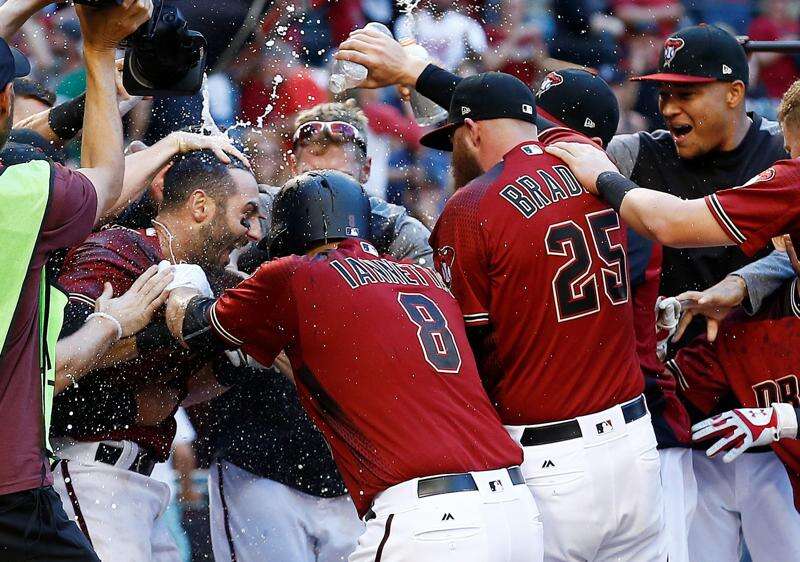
(452, 483)
(566, 430)
(109, 454)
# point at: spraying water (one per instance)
(208, 125)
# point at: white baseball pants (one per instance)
(751, 499)
(600, 494)
(497, 523)
(254, 519)
(680, 500)
(121, 511)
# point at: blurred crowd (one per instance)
(279, 64)
(270, 61)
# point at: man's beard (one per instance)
(465, 167)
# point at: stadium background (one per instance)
(294, 41)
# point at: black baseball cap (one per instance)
(580, 100)
(700, 54)
(489, 95)
(13, 64)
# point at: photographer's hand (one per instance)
(101, 151)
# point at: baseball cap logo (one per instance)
(465, 110)
(671, 47)
(552, 79)
(726, 69)
(589, 123)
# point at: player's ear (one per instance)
(736, 94)
(293, 163)
(473, 132)
(201, 206)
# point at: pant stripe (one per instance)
(73, 498)
(385, 538)
(225, 514)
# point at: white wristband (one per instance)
(109, 317)
(787, 420)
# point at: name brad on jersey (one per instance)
(358, 272)
(533, 192)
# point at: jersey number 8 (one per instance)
(575, 286)
(434, 335)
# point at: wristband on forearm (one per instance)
(66, 119)
(437, 85)
(613, 187)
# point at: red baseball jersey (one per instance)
(766, 206)
(381, 361)
(119, 256)
(531, 254)
(755, 359)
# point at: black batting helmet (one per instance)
(316, 208)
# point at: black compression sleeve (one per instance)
(437, 85)
(66, 119)
(155, 335)
(197, 332)
(613, 187)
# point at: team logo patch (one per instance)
(604, 427)
(766, 175)
(671, 47)
(443, 261)
(531, 149)
(551, 80)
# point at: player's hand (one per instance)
(176, 310)
(668, 312)
(388, 63)
(104, 28)
(586, 162)
(220, 145)
(715, 303)
(738, 430)
(135, 308)
(789, 245)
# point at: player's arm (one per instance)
(142, 166)
(659, 216)
(14, 14)
(112, 320)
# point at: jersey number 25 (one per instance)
(575, 285)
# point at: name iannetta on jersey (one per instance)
(358, 272)
(529, 195)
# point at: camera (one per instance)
(163, 57)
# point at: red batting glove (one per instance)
(738, 430)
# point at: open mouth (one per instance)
(679, 132)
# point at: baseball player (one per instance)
(755, 360)
(748, 216)
(283, 497)
(382, 365)
(534, 262)
(585, 103)
(111, 428)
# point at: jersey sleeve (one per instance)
(700, 377)
(461, 257)
(105, 257)
(766, 206)
(72, 209)
(259, 315)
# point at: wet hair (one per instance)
(200, 169)
(789, 108)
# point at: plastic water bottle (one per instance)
(346, 74)
(426, 111)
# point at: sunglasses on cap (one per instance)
(338, 131)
